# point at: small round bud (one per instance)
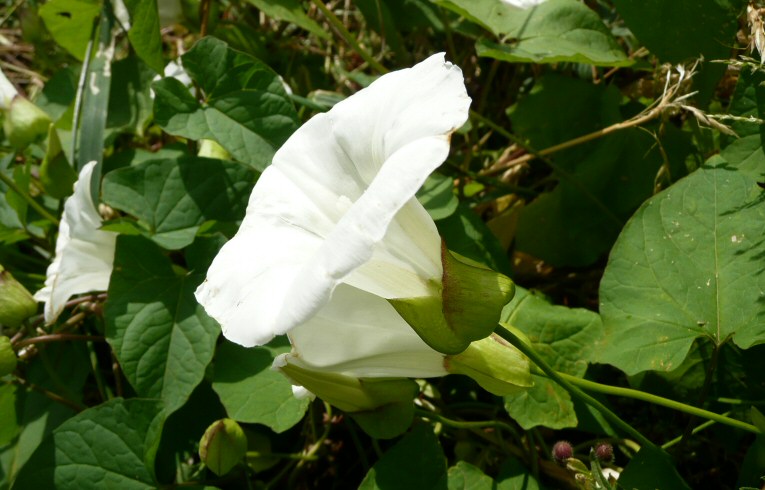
(223, 446)
(561, 451)
(604, 452)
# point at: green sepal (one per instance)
(56, 174)
(348, 393)
(8, 358)
(212, 149)
(494, 364)
(465, 307)
(16, 303)
(24, 123)
(223, 446)
(388, 421)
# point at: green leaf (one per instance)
(70, 22)
(130, 99)
(172, 197)
(513, 475)
(56, 173)
(415, 462)
(650, 469)
(160, 334)
(10, 426)
(681, 29)
(251, 391)
(437, 196)
(686, 266)
(600, 183)
(102, 447)
(465, 476)
(746, 152)
(552, 32)
(564, 337)
(144, 32)
(246, 109)
(290, 11)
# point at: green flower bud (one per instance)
(497, 366)
(16, 303)
(7, 357)
(463, 308)
(223, 446)
(24, 123)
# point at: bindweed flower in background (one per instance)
(336, 251)
(84, 253)
(524, 4)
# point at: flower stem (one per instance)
(573, 390)
(461, 424)
(348, 37)
(697, 429)
(658, 400)
(37, 207)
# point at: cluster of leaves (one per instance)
(586, 155)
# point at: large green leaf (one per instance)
(290, 11)
(465, 233)
(70, 22)
(564, 337)
(160, 334)
(650, 469)
(251, 391)
(104, 447)
(172, 197)
(686, 266)
(144, 32)
(681, 29)
(600, 183)
(130, 99)
(415, 462)
(245, 109)
(553, 31)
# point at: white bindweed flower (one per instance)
(334, 246)
(84, 253)
(337, 206)
(524, 4)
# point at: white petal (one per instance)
(7, 92)
(84, 254)
(359, 334)
(338, 202)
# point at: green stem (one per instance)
(461, 424)
(573, 390)
(677, 439)
(658, 400)
(37, 207)
(297, 456)
(348, 37)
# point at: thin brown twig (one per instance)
(53, 396)
(58, 337)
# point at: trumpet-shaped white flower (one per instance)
(84, 253)
(334, 239)
(337, 206)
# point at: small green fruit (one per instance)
(223, 446)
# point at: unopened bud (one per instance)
(604, 452)
(562, 451)
(223, 446)
(24, 123)
(16, 303)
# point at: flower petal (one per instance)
(84, 254)
(359, 334)
(338, 202)
(7, 92)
